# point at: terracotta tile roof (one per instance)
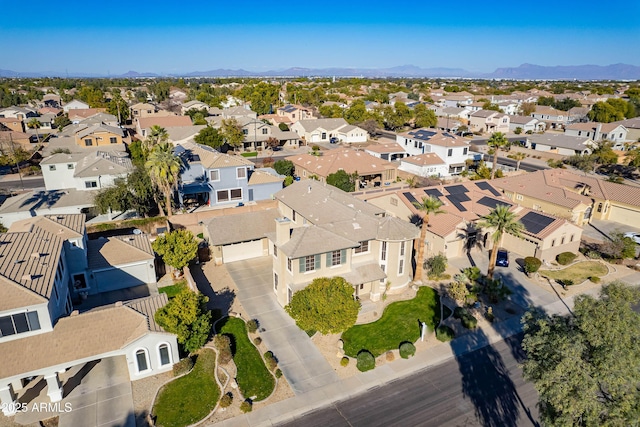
(84, 113)
(385, 148)
(598, 188)
(264, 176)
(535, 185)
(212, 159)
(349, 160)
(114, 251)
(164, 121)
(424, 159)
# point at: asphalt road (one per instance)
(482, 388)
(29, 183)
(524, 165)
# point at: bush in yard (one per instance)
(467, 319)
(183, 366)
(186, 315)
(246, 406)
(252, 325)
(489, 315)
(458, 290)
(407, 350)
(436, 265)
(257, 341)
(278, 373)
(594, 279)
(566, 258)
(226, 400)
(389, 356)
(619, 247)
(222, 343)
(366, 361)
(531, 264)
(344, 361)
(270, 360)
(444, 333)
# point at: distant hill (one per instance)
(522, 72)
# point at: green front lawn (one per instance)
(400, 322)
(189, 399)
(250, 154)
(254, 379)
(174, 289)
(578, 272)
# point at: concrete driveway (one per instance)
(97, 394)
(301, 362)
(599, 230)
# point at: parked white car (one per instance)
(633, 236)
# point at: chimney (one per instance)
(596, 136)
(283, 230)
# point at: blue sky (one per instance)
(172, 37)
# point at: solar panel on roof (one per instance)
(433, 192)
(410, 197)
(455, 199)
(422, 134)
(487, 187)
(456, 189)
(491, 203)
(534, 222)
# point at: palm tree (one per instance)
(164, 168)
(518, 156)
(157, 135)
(496, 142)
(429, 205)
(35, 124)
(501, 220)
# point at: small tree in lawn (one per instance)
(186, 315)
(284, 167)
(326, 305)
(429, 205)
(176, 248)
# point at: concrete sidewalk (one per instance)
(532, 294)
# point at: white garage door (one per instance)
(121, 278)
(625, 216)
(241, 251)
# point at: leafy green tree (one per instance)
(603, 154)
(3, 229)
(332, 111)
(284, 167)
(327, 305)
(429, 205)
(138, 154)
(585, 366)
(618, 246)
(357, 112)
(186, 315)
(436, 265)
(527, 108)
(518, 156)
(177, 248)
(498, 141)
(232, 133)
(61, 121)
(210, 136)
(194, 111)
(133, 193)
(499, 221)
(424, 117)
(633, 157)
(491, 106)
(604, 112)
(566, 104)
(342, 180)
(164, 167)
(157, 135)
(92, 95)
(546, 100)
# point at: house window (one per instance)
(19, 323)
(553, 242)
(88, 142)
(289, 264)
(599, 207)
(400, 267)
(165, 355)
(70, 166)
(113, 140)
(571, 238)
(465, 150)
(142, 360)
(275, 251)
(364, 247)
(402, 249)
(324, 135)
(214, 175)
(562, 240)
(309, 263)
(336, 257)
(265, 131)
(383, 254)
(245, 131)
(289, 294)
(275, 281)
(236, 194)
(450, 152)
(52, 167)
(241, 173)
(91, 184)
(223, 195)
(519, 197)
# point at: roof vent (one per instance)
(36, 255)
(27, 277)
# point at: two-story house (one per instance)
(293, 113)
(614, 132)
(98, 135)
(256, 133)
(214, 178)
(555, 119)
(142, 109)
(452, 149)
(526, 124)
(488, 121)
(325, 232)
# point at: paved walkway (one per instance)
(526, 292)
(301, 362)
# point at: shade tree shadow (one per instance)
(220, 301)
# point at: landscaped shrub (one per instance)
(257, 341)
(278, 373)
(407, 350)
(222, 343)
(591, 254)
(226, 400)
(566, 258)
(594, 279)
(531, 264)
(344, 361)
(366, 361)
(183, 366)
(252, 325)
(436, 265)
(467, 319)
(246, 406)
(489, 314)
(390, 356)
(270, 360)
(444, 333)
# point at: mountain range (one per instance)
(522, 72)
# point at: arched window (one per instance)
(142, 360)
(164, 353)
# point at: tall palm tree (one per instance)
(496, 142)
(164, 167)
(501, 220)
(34, 124)
(429, 205)
(518, 156)
(157, 135)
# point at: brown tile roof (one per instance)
(85, 113)
(535, 185)
(599, 188)
(424, 159)
(212, 159)
(260, 176)
(591, 126)
(118, 250)
(349, 160)
(164, 121)
(31, 259)
(88, 335)
(385, 148)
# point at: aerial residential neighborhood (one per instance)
(227, 238)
